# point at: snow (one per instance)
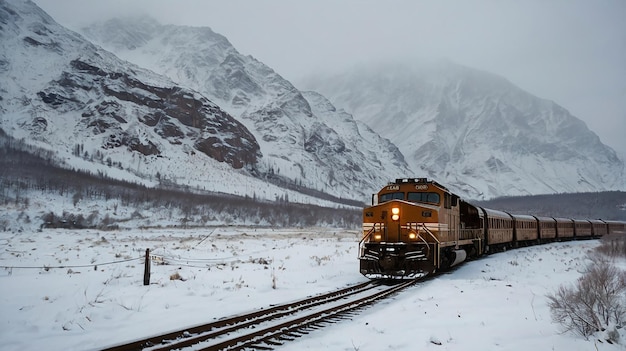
(30, 70)
(77, 290)
(271, 108)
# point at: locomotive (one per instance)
(416, 226)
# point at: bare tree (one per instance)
(613, 245)
(596, 303)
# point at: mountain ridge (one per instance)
(475, 131)
(295, 140)
(63, 93)
(186, 107)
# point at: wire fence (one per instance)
(152, 258)
(73, 266)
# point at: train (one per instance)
(417, 226)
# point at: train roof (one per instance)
(597, 221)
(563, 220)
(545, 219)
(496, 213)
(615, 222)
(524, 217)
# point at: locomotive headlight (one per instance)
(412, 236)
(377, 237)
(395, 213)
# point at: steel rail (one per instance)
(288, 330)
(183, 337)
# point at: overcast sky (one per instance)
(569, 51)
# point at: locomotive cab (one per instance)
(415, 227)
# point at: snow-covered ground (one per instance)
(83, 290)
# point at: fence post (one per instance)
(146, 270)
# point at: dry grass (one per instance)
(613, 245)
(176, 276)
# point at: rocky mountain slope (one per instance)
(475, 131)
(106, 115)
(66, 94)
(191, 110)
(301, 135)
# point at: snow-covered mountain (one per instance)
(475, 131)
(301, 135)
(191, 110)
(103, 114)
(61, 92)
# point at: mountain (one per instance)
(302, 137)
(58, 91)
(61, 92)
(475, 131)
(191, 111)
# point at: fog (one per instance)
(570, 51)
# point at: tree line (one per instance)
(26, 171)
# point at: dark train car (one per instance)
(598, 228)
(616, 227)
(525, 229)
(547, 229)
(499, 228)
(564, 228)
(582, 229)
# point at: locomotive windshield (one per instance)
(391, 196)
(432, 198)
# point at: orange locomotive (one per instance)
(415, 227)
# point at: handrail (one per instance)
(366, 236)
(429, 233)
(369, 233)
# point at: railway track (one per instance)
(268, 328)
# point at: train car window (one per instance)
(432, 198)
(390, 196)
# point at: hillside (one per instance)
(301, 135)
(473, 130)
(35, 193)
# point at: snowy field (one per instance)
(83, 290)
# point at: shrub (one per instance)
(597, 302)
(613, 245)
